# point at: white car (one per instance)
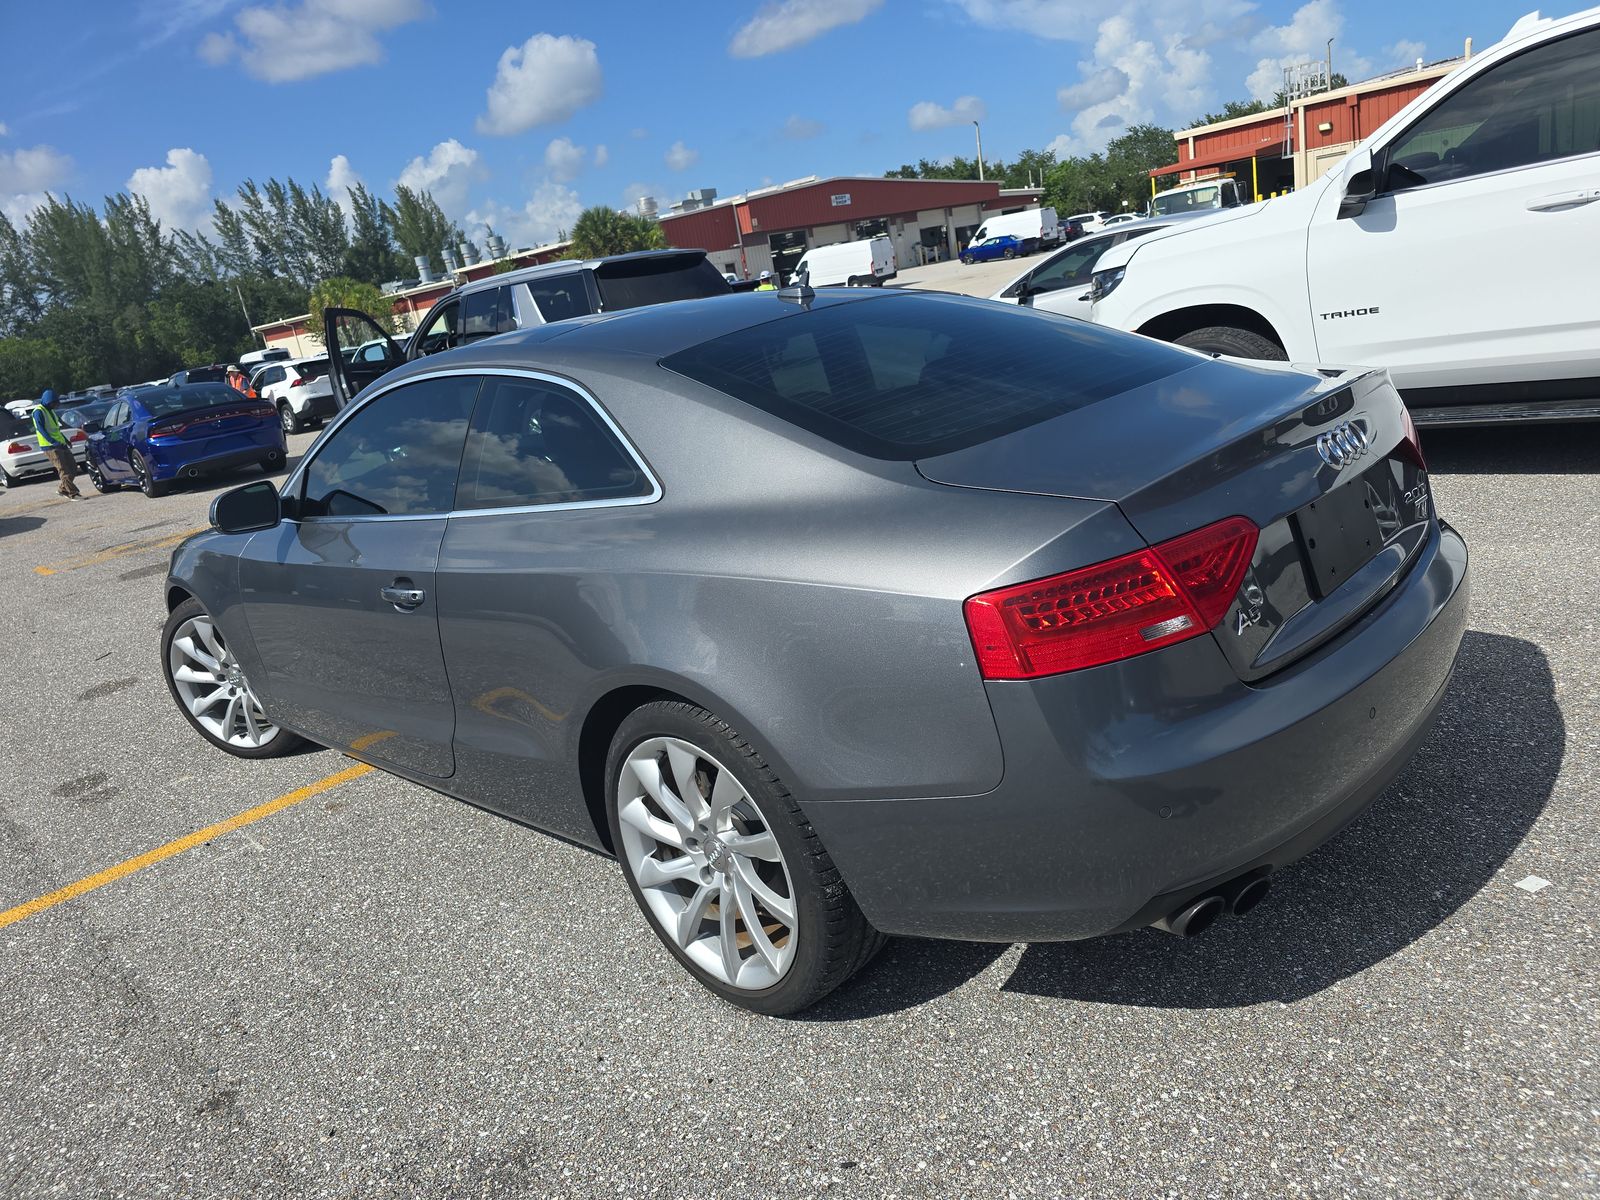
(299, 389)
(1122, 218)
(1060, 284)
(1381, 261)
(1090, 222)
(20, 456)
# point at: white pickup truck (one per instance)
(1458, 246)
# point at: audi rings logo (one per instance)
(1343, 444)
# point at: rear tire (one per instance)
(1235, 343)
(286, 418)
(8, 480)
(153, 488)
(1009, 253)
(729, 813)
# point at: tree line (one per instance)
(90, 297)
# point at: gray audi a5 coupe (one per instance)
(838, 616)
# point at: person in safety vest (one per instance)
(54, 443)
(766, 284)
(239, 383)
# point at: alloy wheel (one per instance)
(710, 871)
(288, 420)
(210, 683)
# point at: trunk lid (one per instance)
(1226, 439)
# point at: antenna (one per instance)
(799, 290)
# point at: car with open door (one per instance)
(522, 299)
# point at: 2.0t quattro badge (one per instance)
(1343, 444)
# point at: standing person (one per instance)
(54, 443)
(766, 284)
(239, 383)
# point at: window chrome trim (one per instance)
(293, 483)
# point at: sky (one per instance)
(518, 115)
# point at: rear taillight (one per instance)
(172, 430)
(1113, 610)
(1410, 441)
(18, 448)
(78, 435)
(298, 383)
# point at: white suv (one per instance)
(1458, 246)
(299, 389)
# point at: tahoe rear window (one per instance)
(913, 376)
(634, 283)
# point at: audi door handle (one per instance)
(1562, 200)
(403, 597)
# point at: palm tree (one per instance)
(600, 231)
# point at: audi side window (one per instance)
(534, 442)
(398, 456)
(1542, 105)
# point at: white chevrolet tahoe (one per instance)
(1458, 246)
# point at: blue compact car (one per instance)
(155, 437)
(1004, 246)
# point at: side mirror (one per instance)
(246, 509)
(1360, 185)
(91, 427)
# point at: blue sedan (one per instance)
(1003, 246)
(157, 436)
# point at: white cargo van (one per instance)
(1033, 227)
(851, 264)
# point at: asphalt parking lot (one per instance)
(377, 991)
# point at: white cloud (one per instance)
(564, 160)
(553, 208)
(3, 130)
(33, 169)
(179, 194)
(680, 158)
(927, 115)
(341, 179)
(1131, 79)
(544, 80)
(601, 156)
(448, 172)
(1403, 53)
(799, 129)
(1107, 83)
(638, 134)
(1303, 39)
(287, 43)
(785, 24)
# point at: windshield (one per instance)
(166, 401)
(916, 375)
(14, 426)
(79, 413)
(634, 283)
(1187, 201)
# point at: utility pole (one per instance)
(245, 310)
(1330, 64)
(979, 129)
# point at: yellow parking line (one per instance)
(89, 560)
(161, 853)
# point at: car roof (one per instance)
(652, 331)
(563, 265)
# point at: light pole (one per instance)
(979, 130)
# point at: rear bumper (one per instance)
(314, 407)
(1130, 788)
(173, 464)
(38, 463)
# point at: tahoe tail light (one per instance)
(1113, 610)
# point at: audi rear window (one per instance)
(634, 283)
(913, 376)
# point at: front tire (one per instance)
(210, 690)
(99, 481)
(286, 418)
(966, 260)
(725, 866)
(1234, 342)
